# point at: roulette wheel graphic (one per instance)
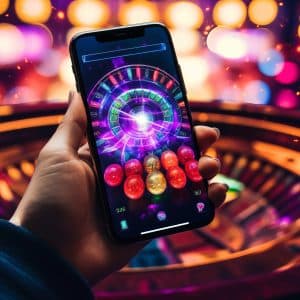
(136, 109)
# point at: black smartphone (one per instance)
(140, 131)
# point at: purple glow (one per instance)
(138, 111)
(38, 41)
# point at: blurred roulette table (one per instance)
(254, 239)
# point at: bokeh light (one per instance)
(57, 91)
(286, 98)
(138, 11)
(232, 93)
(92, 13)
(186, 41)
(230, 13)
(74, 30)
(4, 4)
(257, 92)
(184, 14)
(65, 72)
(12, 44)
(227, 43)
(50, 63)
(262, 12)
(38, 41)
(270, 62)
(33, 11)
(195, 71)
(289, 73)
(22, 94)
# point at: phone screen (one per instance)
(141, 130)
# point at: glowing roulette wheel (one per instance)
(135, 107)
(254, 234)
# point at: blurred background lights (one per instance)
(93, 13)
(184, 14)
(227, 43)
(262, 12)
(195, 71)
(289, 73)
(74, 30)
(33, 11)
(286, 98)
(257, 92)
(230, 13)
(12, 44)
(138, 11)
(231, 93)
(50, 63)
(56, 91)
(65, 72)
(3, 6)
(191, 38)
(38, 41)
(270, 62)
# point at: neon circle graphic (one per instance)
(136, 109)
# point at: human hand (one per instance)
(61, 205)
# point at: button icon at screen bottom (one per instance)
(200, 206)
(161, 215)
(124, 225)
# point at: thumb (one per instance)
(71, 130)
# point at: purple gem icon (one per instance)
(200, 206)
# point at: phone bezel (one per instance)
(131, 29)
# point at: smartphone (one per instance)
(140, 131)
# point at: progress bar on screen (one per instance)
(164, 228)
(124, 52)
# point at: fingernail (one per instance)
(70, 97)
(217, 130)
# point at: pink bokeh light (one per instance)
(289, 73)
(286, 98)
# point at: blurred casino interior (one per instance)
(240, 62)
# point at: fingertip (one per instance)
(206, 136)
(217, 193)
(209, 167)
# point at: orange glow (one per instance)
(4, 4)
(14, 173)
(262, 12)
(284, 157)
(61, 15)
(5, 110)
(27, 167)
(30, 122)
(5, 191)
(92, 13)
(184, 14)
(33, 11)
(230, 13)
(186, 41)
(138, 11)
